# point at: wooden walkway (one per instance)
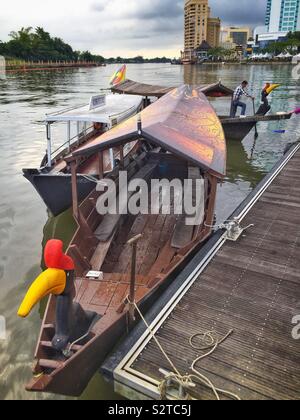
(251, 286)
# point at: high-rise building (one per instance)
(283, 15)
(196, 14)
(213, 31)
(199, 26)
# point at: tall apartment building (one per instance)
(213, 31)
(283, 15)
(196, 14)
(199, 26)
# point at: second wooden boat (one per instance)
(121, 258)
(234, 128)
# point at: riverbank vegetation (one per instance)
(30, 44)
(290, 45)
(138, 60)
(38, 45)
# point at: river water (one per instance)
(24, 222)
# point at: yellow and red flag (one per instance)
(119, 76)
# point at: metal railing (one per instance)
(65, 148)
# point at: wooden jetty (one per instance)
(250, 286)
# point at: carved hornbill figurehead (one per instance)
(58, 280)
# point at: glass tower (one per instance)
(283, 15)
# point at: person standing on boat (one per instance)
(264, 106)
(236, 100)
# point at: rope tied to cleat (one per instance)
(186, 382)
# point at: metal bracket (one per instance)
(177, 390)
(233, 228)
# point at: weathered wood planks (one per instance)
(252, 287)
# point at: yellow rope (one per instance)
(186, 380)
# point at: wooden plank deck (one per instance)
(252, 287)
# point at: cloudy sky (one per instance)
(121, 27)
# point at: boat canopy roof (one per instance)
(182, 122)
(115, 107)
(130, 87)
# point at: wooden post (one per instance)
(133, 242)
(212, 201)
(101, 165)
(75, 190)
(121, 157)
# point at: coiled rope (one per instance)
(187, 381)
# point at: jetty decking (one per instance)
(250, 286)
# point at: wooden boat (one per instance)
(234, 128)
(177, 137)
(238, 128)
(53, 179)
(130, 87)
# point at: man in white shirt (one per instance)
(236, 100)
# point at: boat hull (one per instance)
(238, 128)
(237, 131)
(88, 361)
(56, 190)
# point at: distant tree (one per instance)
(294, 35)
(139, 59)
(29, 44)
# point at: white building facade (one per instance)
(283, 16)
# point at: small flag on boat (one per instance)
(119, 76)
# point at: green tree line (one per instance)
(38, 45)
(291, 45)
(137, 60)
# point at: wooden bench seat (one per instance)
(110, 222)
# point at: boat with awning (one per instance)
(130, 87)
(122, 260)
(173, 122)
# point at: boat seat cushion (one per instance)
(110, 222)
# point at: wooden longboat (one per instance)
(238, 128)
(178, 137)
(130, 87)
(234, 128)
(52, 180)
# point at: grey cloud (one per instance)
(240, 12)
(152, 9)
(135, 25)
